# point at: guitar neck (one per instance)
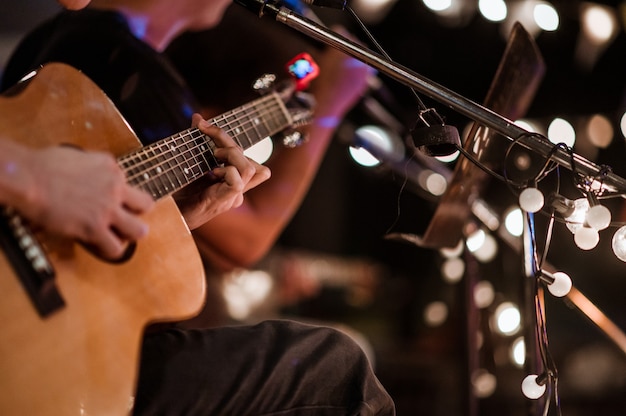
(172, 163)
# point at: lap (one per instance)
(275, 367)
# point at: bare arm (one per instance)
(241, 237)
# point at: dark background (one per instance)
(350, 209)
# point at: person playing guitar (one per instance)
(88, 356)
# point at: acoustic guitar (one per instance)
(73, 322)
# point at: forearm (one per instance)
(242, 236)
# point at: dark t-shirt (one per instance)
(141, 82)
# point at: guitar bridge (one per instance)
(30, 262)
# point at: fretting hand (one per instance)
(223, 189)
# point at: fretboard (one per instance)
(172, 163)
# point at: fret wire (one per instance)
(189, 163)
(133, 167)
(160, 171)
(156, 192)
(174, 149)
(256, 129)
(134, 179)
(169, 168)
(272, 123)
(255, 103)
(190, 170)
(179, 148)
(249, 119)
(277, 125)
(265, 122)
(203, 143)
(176, 154)
(274, 107)
(275, 119)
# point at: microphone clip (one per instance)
(436, 139)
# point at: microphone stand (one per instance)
(455, 101)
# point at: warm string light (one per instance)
(585, 221)
(559, 283)
(531, 200)
(506, 317)
(583, 218)
(619, 243)
(534, 386)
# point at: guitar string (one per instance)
(133, 158)
(176, 136)
(193, 164)
(238, 131)
(135, 161)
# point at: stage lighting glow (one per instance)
(450, 252)
(561, 131)
(600, 131)
(546, 16)
(514, 222)
(433, 182)
(438, 5)
(522, 12)
(518, 352)
(619, 243)
(245, 290)
(380, 143)
(599, 23)
(475, 240)
(527, 125)
(435, 313)
(493, 10)
(507, 318)
(452, 270)
(448, 158)
(484, 383)
(488, 249)
(372, 11)
(484, 294)
(363, 157)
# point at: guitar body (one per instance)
(83, 358)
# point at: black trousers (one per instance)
(273, 368)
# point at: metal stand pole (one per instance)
(455, 101)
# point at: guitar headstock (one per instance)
(300, 104)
